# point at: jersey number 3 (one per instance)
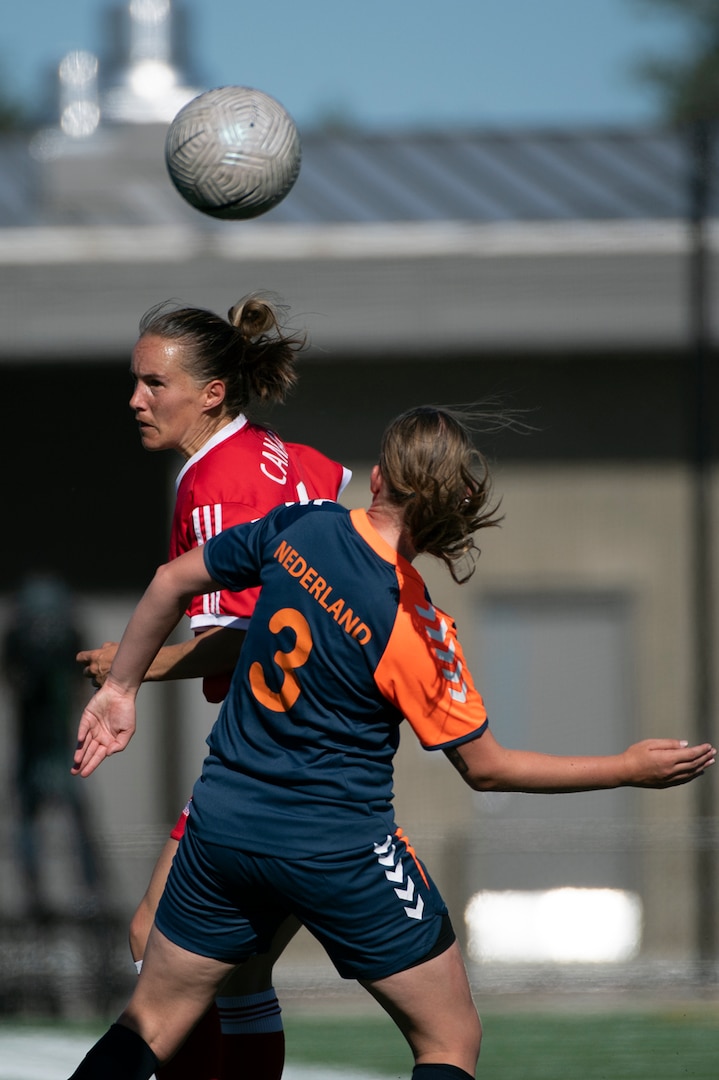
(284, 698)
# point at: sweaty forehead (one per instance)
(153, 355)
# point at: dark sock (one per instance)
(440, 1072)
(120, 1054)
(260, 1056)
(199, 1056)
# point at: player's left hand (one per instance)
(106, 727)
(661, 763)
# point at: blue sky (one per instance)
(389, 64)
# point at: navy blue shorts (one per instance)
(376, 911)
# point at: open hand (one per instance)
(106, 727)
(660, 763)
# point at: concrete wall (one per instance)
(581, 518)
(619, 529)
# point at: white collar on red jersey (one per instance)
(225, 432)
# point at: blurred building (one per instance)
(547, 271)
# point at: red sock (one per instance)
(253, 1042)
(260, 1056)
(199, 1056)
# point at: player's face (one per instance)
(168, 403)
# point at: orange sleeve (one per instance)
(424, 674)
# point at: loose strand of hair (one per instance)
(269, 369)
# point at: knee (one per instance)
(467, 1039)
(478, 1035)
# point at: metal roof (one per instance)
(490, 177)
(118, 177)
(407, 244)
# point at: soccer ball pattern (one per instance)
(233, 152)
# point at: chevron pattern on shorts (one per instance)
(388, 857)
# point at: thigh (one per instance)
(156, 885)
(174, 990)
(144, 916)
(432, 1006)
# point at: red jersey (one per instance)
(237, 476)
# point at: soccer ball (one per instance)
(233, 152)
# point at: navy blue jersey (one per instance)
(344, 643)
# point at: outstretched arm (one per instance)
(211, 652)
(108, 722)
(654, 763)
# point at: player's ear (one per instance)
(214, 393)
(375, 480)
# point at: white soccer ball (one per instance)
(233, 152)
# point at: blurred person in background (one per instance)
(38, 659)
(195, 375)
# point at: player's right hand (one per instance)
(97, 662)
(106, 727)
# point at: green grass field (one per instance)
(682, 1042)
(668, 1044)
